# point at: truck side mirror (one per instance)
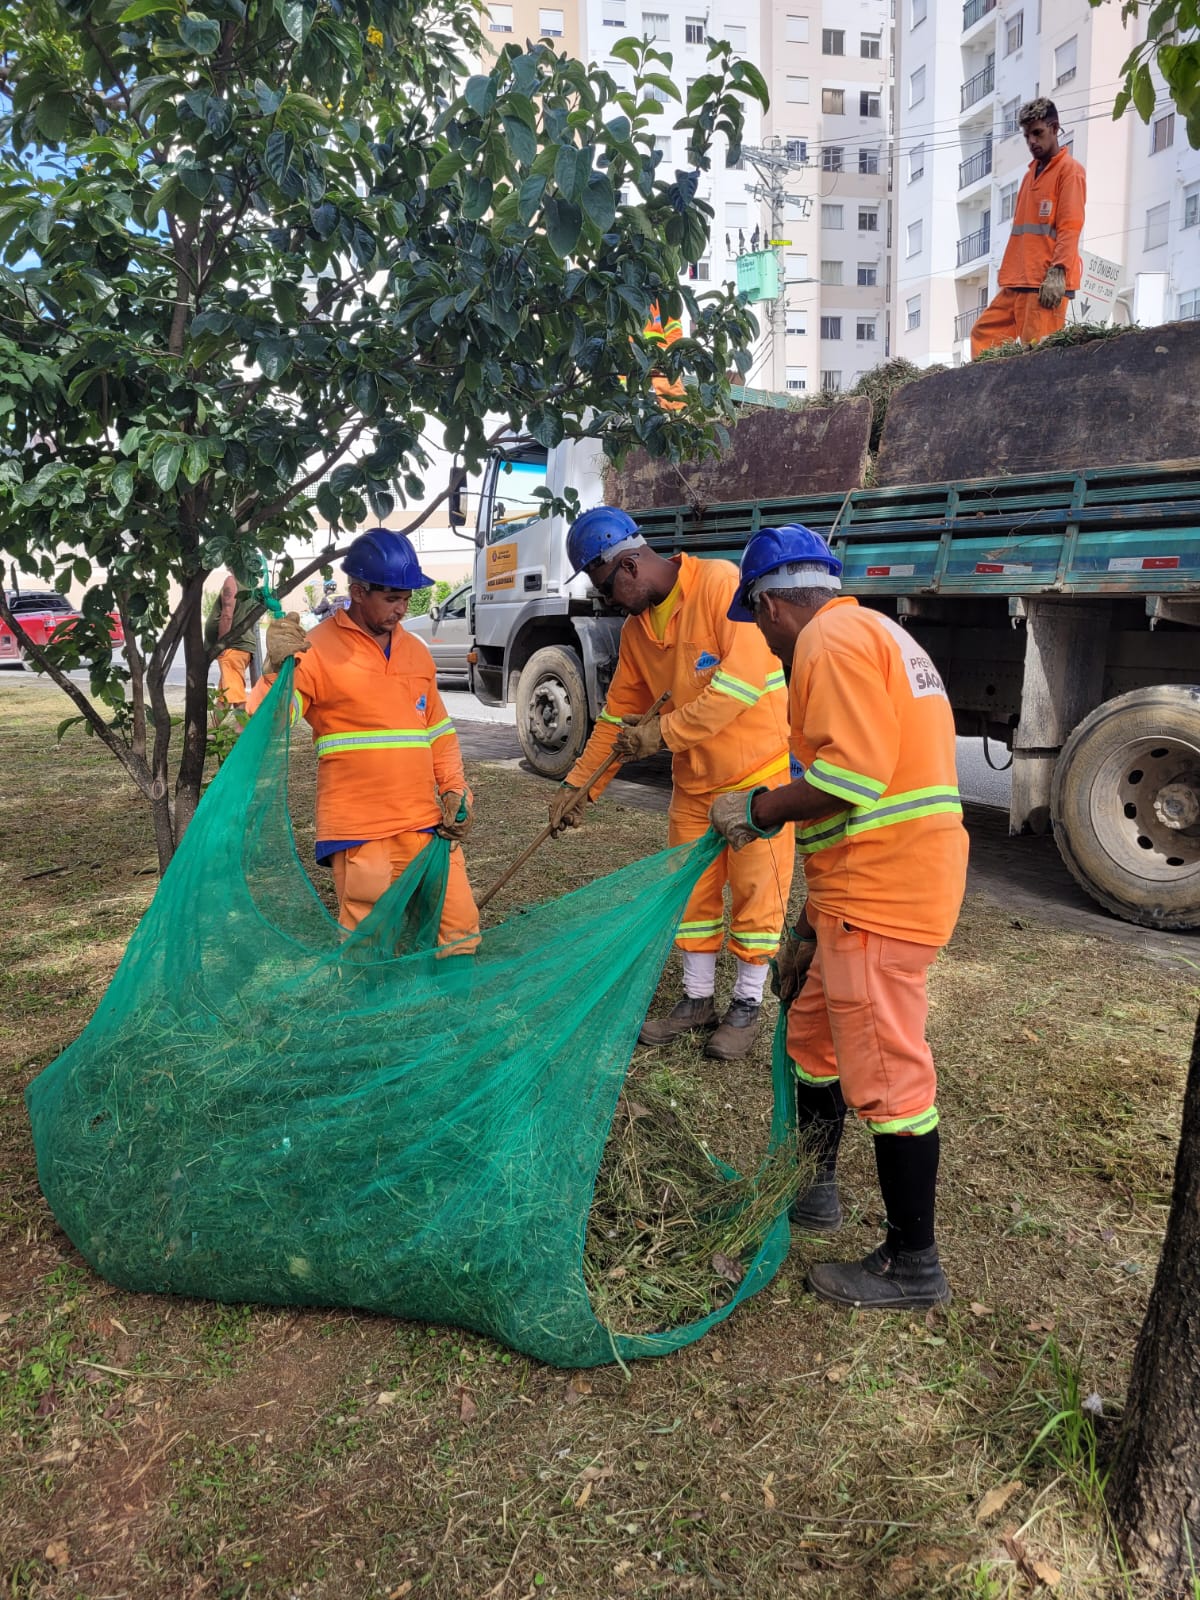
(458, 489)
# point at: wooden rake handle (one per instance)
(547, 832)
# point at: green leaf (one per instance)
(366, 393)
(532, 191)
(628, 50)
(480, 94)
(53, 116)
(145, 8)
(546, 427)
(477, 197)
(599, 202)
(297, 17)
(655, 80)
(200, 34)
(701, 89)
(572, 168)
(521, 139)
(748, 76)
(121, 483)
(563, 222)
(286, 299)
(1143, 93)
(274, 355)
(195, 461)
(441, 309)
(446, 170)
(277, 157)
(165, 465)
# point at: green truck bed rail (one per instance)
(1107, 531)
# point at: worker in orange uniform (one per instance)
(389, 769)
(879, 825)
(228, 635)
(726, 727)
(663, 334)
(1041, 267)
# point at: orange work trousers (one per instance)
(1015, 314)
(233, 665)
(759, 878)
(861, 1017)
(362, 874)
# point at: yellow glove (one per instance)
(1054, 287)
(637, 739)
(566, 809)
(456, 814)
(791, 964)
(285, 637)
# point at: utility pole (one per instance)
(773, 162)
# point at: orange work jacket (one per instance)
(1046, 224)
(385, 745)
(726, 720)
(657, 332)
(871, 725)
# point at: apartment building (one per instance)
(518, 20)
(962, 74)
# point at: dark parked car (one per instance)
(445, 628)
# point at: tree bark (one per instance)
(195, 708)
(1154, 1491)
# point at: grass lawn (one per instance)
(172, 1448)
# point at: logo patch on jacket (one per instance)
(705, 660)
(795, 769)
(421, 703)
(1045, 208)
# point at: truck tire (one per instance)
(1125, 803)
(552, 710)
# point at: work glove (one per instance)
(285, 637)
(1054, 286)
(456, 815)
(791, 964)
(561, 814)
(730, 816)
(636, 739)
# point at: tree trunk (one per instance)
(195, 710)
(1154, 1492)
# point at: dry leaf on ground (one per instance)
(995, 1500)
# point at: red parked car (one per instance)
(41, 612)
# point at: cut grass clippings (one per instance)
(174, 1448)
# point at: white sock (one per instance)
(699, 973)
(750, 981)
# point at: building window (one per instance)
(796, 379)
(831, 216)
(913, 309)
(833, 42)
(917, 12)
(663, 147)
(868, 103)
(737, 214)
(1189, 306)
(500, 19)
(699, 270)
(797, 150)
(916, 163)
(831, 382)
(1008, 201)
(868, 161)
(550, 24)
(1157, 219)
(1064, 61)
(831, 327)
(796, 30)
(831, 273)
(653, 92)
(916, 87)
(868, 219)
(613, 14)
(735, 35)
(1014, 33)
(865, 330)
(797, 91)
(693, 30)
(1162, 133)
(868, 275)
(833, 158)
(796, 268)
(797, 323)
(914, 237)
(833, 102)
(1191, 205)
(1009, 112)
(869, 46)
(656, 24)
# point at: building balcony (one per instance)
(975, 167)
(974, 10)
(974, 245)
(977, 88)
(965, 321)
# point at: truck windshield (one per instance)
(512, 503)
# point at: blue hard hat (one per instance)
(385, 559)
(594, 533)
(772, 548)
(329, 585)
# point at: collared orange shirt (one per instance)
(1046, 224)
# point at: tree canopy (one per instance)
(1172, 43)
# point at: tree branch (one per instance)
(297, 489)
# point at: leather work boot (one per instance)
(689, 1016)
(735, 1037)
(817, 1210)
(906, 1281)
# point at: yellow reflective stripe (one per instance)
(725, 683)
(763, 941)
(775, 680)
(844, 784)
(814, 836)
(906, 808)
(807, 1077)
(375, 739)
(297, 707)
(702, 927)
(604, 717)
(757, 779)
(439, 730)
(921, 1122)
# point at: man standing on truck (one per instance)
(389, 769)
(885, 857)
(1041, 269)
(726, 727)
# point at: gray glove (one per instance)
(457, 816)
(729, 814)
(285, 638)
(1054, 287)
(791, 964)
(566, 809)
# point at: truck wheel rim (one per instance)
(1137, 793)
(550, 715)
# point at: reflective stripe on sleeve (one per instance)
(844, 784)
(737, 688)
(907, 807)
(775, 680)
(439, 730)
(297, 707)
(605, 717)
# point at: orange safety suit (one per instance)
(657, 332)
(386, 751)
(726, 726)
(1045, 233)
(886, 868)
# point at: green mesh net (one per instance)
(264, 1109)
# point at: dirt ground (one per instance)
(157, 1447)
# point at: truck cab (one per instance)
(542, 636)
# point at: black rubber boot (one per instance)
(689, 1016)
(820, 1118)
(817, 1210)
(910, 1280)
(735, 1037)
